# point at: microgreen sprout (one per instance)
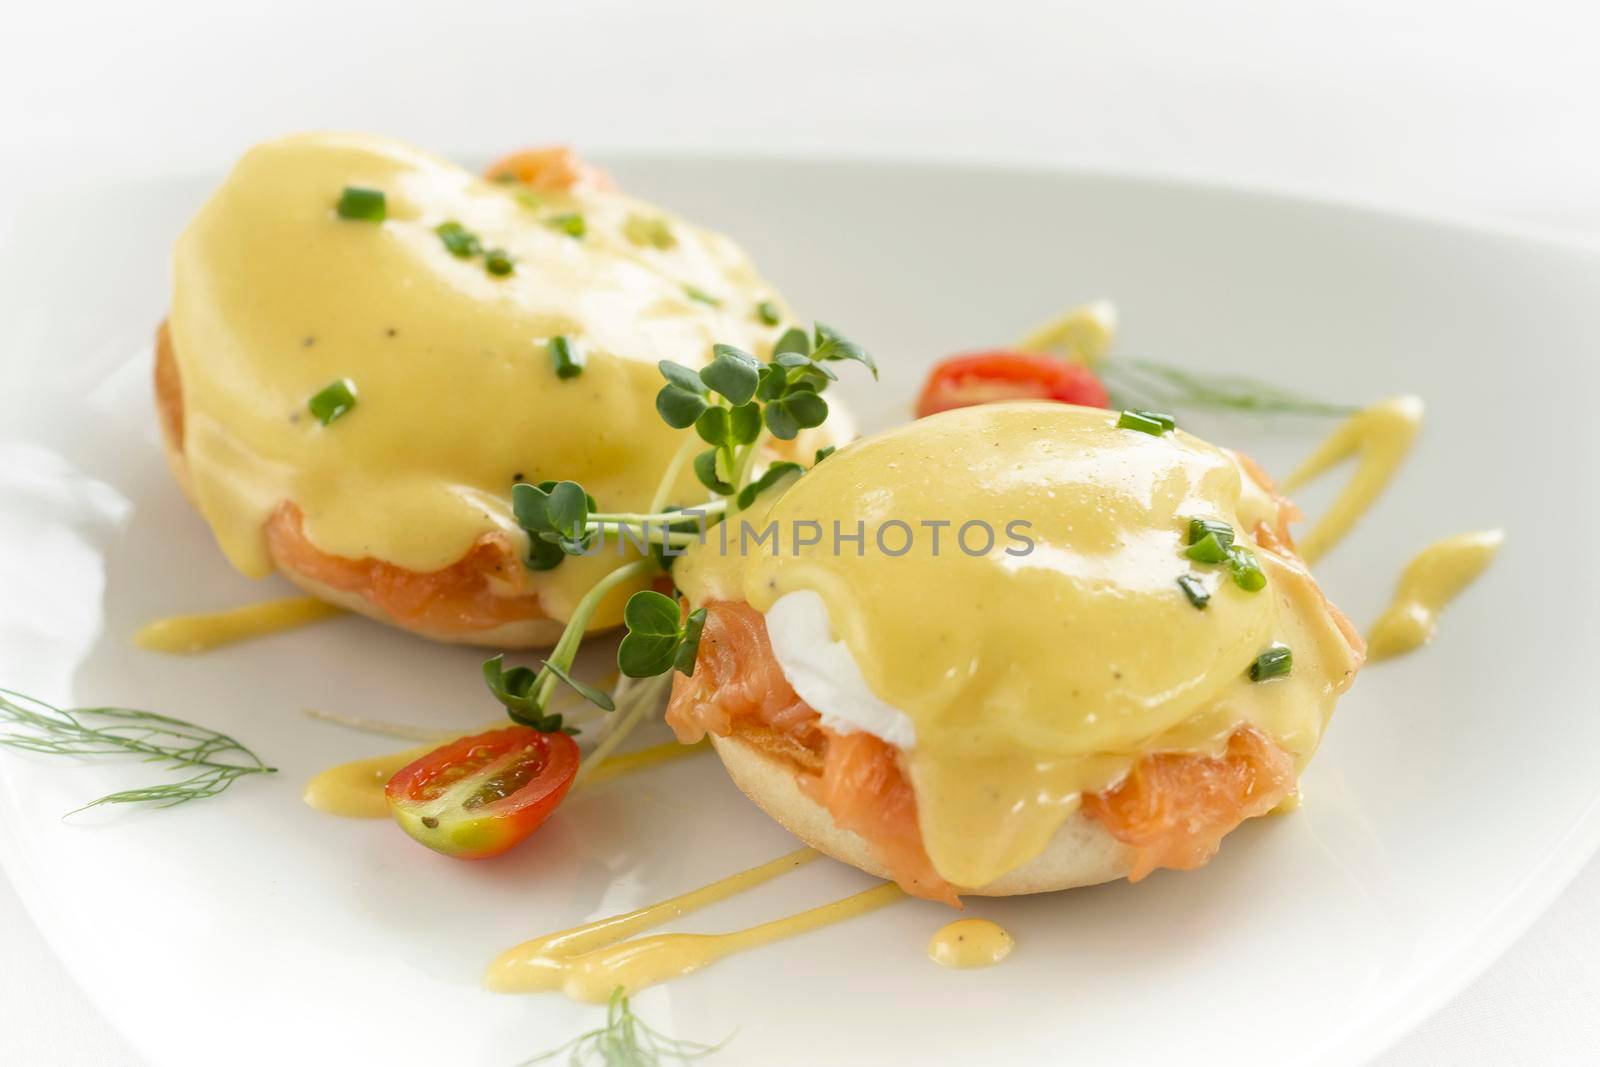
(659, 636)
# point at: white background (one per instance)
(1484, 112)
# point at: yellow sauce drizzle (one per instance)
(186, 634)
(970, 943)
(588, 962)
(1082, 335)
(1435, 577)
(1379, 437)
(354, 790)
(643, 759)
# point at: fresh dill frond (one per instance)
(1145, 383)
(626, 1041)
(216, 759)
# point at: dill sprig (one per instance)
(216, 759)
(1145, 383)
(627, 1041)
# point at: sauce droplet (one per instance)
(970, 943)
(1430, 581)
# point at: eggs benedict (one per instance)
(1015, 648)
(368, 347)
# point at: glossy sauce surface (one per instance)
(1033, 678)
(968, 943)
(186, 634)
(275, 297)
(1437, 575)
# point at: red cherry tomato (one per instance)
(478, 796)
(983, 377)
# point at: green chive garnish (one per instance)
(1153, 423)
(497, 262)
(1275, 662)
(565, 357)
(333, 400)
(1209, 549)
(1198, 528)
(767, 312)
(1247, 573)
(362, 205)
(648, 232)
(572, 225)
(701, 295)
(1195, 590)
(461, 241)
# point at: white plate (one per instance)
(1454, 797)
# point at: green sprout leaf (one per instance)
(598, 697)
(793, 412)
(712, 425)
(705, 468)
(769, 478)
(824, 453)
(512, 688)
(681, 401)
(689, 647)
(732, 372)
(568, 509)
(744, 423)
(829, 345)
(654, 634)
(773, 381)
(793, 340)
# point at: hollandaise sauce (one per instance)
(392, 371)
(970, 943)
(355, 790)
(588, 962)
(1379, 438)
(1432, 580)
(1033, 673)
(186, 634)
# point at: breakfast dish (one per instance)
(1034, 632)
(367, 346)
(1088, 679)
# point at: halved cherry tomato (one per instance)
(983, 377)
(478, 796)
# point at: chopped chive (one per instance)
(497, 262)
(1151, 422)
(1195, 590)
(461, 241)
(572, 224)
(648, 232)
(333, 400)
(528, 199)
(1247, 573)
(1209, 549)
(701, 295)
(361, 204)
(1198, 528)
(768, 313)
(506, 177)
(565, 358)
(1275, 662)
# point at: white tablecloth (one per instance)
(1477, 110)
